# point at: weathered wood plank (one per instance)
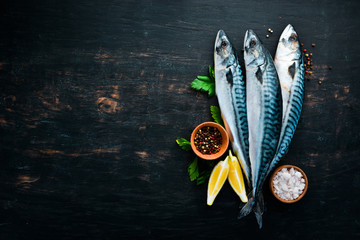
(93, 95)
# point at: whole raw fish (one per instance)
(231, 95)
(264, 111)
(290, 68)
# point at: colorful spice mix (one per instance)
(208, 140)
(308, 62)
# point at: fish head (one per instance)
(224, 53)
(289, 46)
(253, 50)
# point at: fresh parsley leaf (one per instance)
(205, 169)
(212, 91)
(205, 83)
(200, 180)
(204, 175)
(216, 114)
(211, 72)
(193, 169)
(184, 144)
(205, 78)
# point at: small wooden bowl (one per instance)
(224, 145)
(288, 167)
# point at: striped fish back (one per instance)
(290, 123)
(239, 102)
(272, 119)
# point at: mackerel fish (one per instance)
(231, 95)
(264, 112)
(290, 68)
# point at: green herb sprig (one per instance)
(199, 170)
(193, 169)
(184, 144)
(205, 83)
(216, 114)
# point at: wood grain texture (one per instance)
(93, 95)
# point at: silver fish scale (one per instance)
(272, 120)
(230, 91)
(296, 100)
(239, 102)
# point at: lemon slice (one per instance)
(217, 179)
(236, 178)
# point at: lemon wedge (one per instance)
(217, 179)
(236, 178)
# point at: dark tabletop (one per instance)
(93, 95)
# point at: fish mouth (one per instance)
(220, 34)
(289, 29)
(288, 33)
(247, 33)
(250, 34)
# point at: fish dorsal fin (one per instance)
(292, 70)
(229, 77)
(259, 75)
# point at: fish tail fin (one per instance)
(255, 204)
(246, 209)
(259, 208)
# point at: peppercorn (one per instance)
(208, 140)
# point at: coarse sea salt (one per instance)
(288, 183)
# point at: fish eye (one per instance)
(293, 37)
(252, 43)
(223, 44)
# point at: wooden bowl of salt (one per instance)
(288, 183)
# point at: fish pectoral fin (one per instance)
(229, 77)
(291, 70)
(259, 75)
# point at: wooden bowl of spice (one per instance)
(288, 183)
(209, 140)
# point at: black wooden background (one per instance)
(93, 95)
